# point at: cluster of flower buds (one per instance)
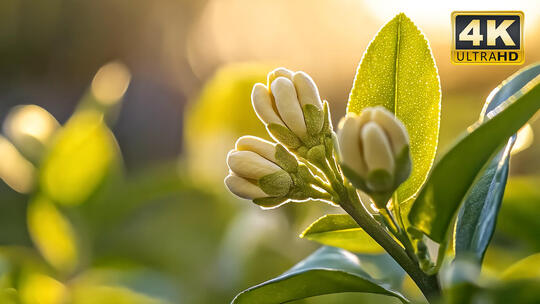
(291, 108)
(373, 148)
(374, 152)
(267, 173)
(294, 115)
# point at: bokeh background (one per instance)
(112, 185)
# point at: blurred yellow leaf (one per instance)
(527, 268)
(41, 289)
(219, 115)
(52, 233)
(79, 159)
(103, 294)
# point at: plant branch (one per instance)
(428, 284)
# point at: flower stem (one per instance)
(428, 284)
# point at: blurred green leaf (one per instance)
(53, 234)
(327, 270)
(452, 177)
(527, 268)
(79, 160)
(518, 220)
(398, 72)
(340, 230)
(476, 220)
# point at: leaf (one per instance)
(477, 217)
(340, 230)
(52, 233)
(327, 270)
(527, 268)
(452, 177)
(398, 72)
(518, 220)
(79, 160)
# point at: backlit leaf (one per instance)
(340, 230)
(398, 72)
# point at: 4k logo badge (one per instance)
(487, 37)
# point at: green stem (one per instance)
(428, 284)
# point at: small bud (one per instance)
(374, 152)
(291, 101)
(259, 169)
(288, 105)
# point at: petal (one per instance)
(349, 147)
(288, 106)
(243, 188)
(262, 103)
(393, 127)
(377, 150)
(251, 165)
(307, 90)
(279, 72)
(258, 145)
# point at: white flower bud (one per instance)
(374, 154)
(255, 172)
(279, 72)
(260, 146)
(288, 105)
(263, 105)
(377, 150)
(243, 187)
(284, 103)
(307, 90)
(251, 165)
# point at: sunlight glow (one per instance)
(111, 82)
(29, 121)
(15, 170)
(524, 139)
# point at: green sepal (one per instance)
(304, 174)
(356, 180)
(276, 184)
(269, 202)
(327, 124)
(301, 151)
(314, 118)
(284, 135)
(380, 181)
(403, 167)
(285, 159)
(329, 144)
(317, 155)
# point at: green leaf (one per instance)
(79, 160)
(518, 220)
(477, 217)
(452, 177)
(398, 72)
(340, 230)
(327, 270)
(527, 268)
(52, 234)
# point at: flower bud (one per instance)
(290, 106)
(374, 152)
(259, 169)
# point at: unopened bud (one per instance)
(259, 169)
(290, 106)
(374, 152)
